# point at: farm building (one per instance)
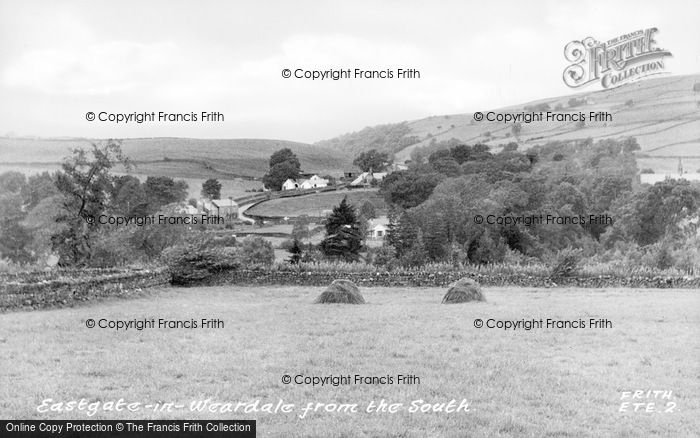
(187, 209)
(314, 182)
(224, 207)
(350, 174)
(366, 178)
(290, 184)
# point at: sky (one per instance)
(60, 60)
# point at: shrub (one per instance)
(463, 291)
(341, 291)
(190, 263)
(567, 263)
(384, 256)
(663, 259)
(256, 251)
(295, 252)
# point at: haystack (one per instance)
(463, 291)
(341, 291)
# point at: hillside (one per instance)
(182, 157)
(662, 113)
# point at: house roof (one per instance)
(366, 176)
(381, 221)
(224, 203)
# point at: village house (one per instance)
(290, 184)
(187, 209)
(350, 174)
(226, 208)
(314, 182)
(366, 178)
(377, 228)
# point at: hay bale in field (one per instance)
(341, 291)
(463, 291)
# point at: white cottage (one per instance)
(314, 182)
(378, 228)
(290, 184)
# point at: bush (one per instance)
(190, 263)
(567, 263)
(255, 251)
(384, 256)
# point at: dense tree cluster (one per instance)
(436, 201)
(284, 165)
(372, 161)
(211, 189)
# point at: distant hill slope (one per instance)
(662, 113)
(184, 157)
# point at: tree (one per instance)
(282, 156)
(128, 196)
(372, 161)
(12, 181)
(14, 241)
(367, 210)
(447, 166)
(256, 251)
(409, 188)
(343, 237)
(163, 190)
(461, 153)
(656, 211)
(279, 173)
(402, 232)
(295, 252)
(85, 184)
(284, 165)
(39, 186)
(211, 189)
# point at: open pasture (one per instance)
(539, 382)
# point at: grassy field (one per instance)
(547, 382)
(315, 205)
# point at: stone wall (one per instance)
(440, 279)
(64, 288)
